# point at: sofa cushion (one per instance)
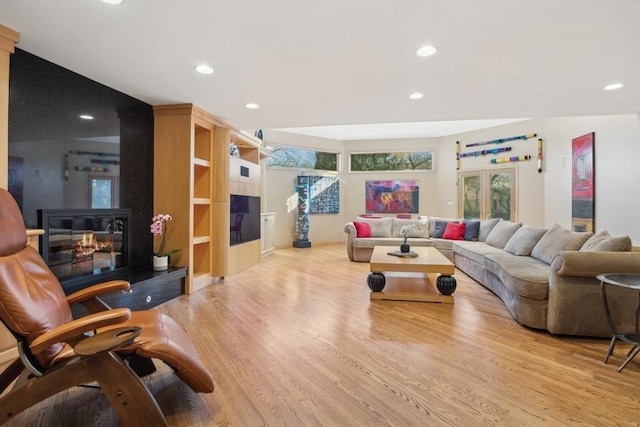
(557, 239)
(439, 229)
(603, 241)
(380, 227)
(523, 240)
(502, 232)
(389, 241)
(525, 276)
(443, 244)
(454, 231)
(398, 223)
(472, 230)
(475, 251)
(486, 225)
(363, 229)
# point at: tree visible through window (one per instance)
(298, 158)
(402, 161)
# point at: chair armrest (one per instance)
(75, 328)
(97, 290)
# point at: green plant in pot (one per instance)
(407, 231)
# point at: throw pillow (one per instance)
(362, 229)
(523, 240)
(379, 227)
(558, 239)
(439, 229)
(485, 228)
(603, 241)
(398, 223)
(472, 230)
(432, 223)
(501, 233)
(454, 231)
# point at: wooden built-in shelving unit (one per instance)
(194, 175)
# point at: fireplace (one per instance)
(85, 246)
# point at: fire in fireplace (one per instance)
(85, 246)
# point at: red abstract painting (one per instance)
(582, 183)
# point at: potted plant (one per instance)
(159, 228)
(406, 231)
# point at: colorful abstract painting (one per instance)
(582, 184)
(392, 196)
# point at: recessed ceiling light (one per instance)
(416, 95)
(252, 106)
(86, 117)
(204, 69)
(613, 86)
(112, 1)
(426, 51)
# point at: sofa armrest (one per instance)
(590, 264)
(350, 229)
(575, 305)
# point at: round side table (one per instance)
(628, 281)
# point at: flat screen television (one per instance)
(245, 219)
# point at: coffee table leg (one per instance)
(446, 284)
(376, 281)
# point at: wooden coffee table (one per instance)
(411, 279)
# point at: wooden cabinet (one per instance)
(267, 233)
(191, 152)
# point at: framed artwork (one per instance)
(392, 196)
(582, 183)
(325, 195)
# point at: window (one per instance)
(400, 161)
(298, 158)
(103, 192)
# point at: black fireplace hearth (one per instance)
(85, 246)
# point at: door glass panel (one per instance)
(471, 196)
(500, 195)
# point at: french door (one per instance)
(485, 194)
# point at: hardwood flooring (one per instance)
(295, 341)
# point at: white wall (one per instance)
(281, 197)
(529, 195)
(543, 198)
(617, 153)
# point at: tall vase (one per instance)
(160, 263)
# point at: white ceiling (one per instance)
(348, 62)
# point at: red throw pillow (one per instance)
(362, 229)
(454, 231)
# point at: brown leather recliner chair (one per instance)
(109, 346)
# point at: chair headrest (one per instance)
(13, 234)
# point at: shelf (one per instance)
(202, 143)
(201, 162)
(198, 240)
(201, 201)
(201, 260)
(201, 220)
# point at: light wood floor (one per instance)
(295, 341)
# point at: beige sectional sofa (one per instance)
(545, 277)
